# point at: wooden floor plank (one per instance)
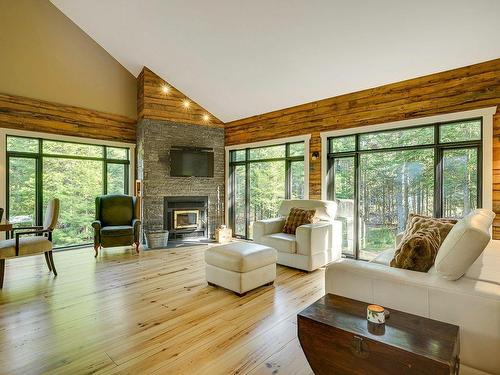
(149, 313)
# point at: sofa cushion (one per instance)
(240, 256)
(487, 266)
(464, 244)
(117, 230)
(27, 246)
(384, 257)
(296, 218)
(283, 242)
(416, 222)
(417, 251)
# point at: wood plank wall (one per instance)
(22, 113)
(153, 103)
(471, 87)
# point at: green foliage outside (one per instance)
(76, 182)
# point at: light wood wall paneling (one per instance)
(22, 113)
(153, 103)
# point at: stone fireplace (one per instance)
(163, 194)
(186, 216)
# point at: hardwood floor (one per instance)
(149, 313)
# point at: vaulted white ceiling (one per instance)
(239, 58)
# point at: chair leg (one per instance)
(137, 247)
(52, 263)
(96, 249)
(2, 271)
(47, 260)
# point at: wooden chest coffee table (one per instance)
(337, 339)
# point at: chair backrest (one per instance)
(325, 210)
(115, 209)
(51, 214)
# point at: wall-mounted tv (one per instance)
(191, 162)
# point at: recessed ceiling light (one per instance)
(206, 117)
(186, 103)
(165, 89)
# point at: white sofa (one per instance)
(313, 245)
(472, 301)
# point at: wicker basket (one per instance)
(157, 239)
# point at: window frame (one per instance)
(438, 148)
(40, 155)
(288, 159)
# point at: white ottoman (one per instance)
(240, 266)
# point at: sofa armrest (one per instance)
(96, 224)
(267, 226)
(136, 223)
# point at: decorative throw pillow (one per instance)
(418, 251)
(417, 227)
(296, 218)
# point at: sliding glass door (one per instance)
(39, 170)
(378, 178)
(260, 178)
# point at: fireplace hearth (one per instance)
(186, 217)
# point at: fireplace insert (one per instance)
(186, 219)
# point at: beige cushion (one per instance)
(283, 242)
(384, 257)
(487, 267)
(325, 210)
(27, 246)
(464, 244)
(240, 256)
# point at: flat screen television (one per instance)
(186, 162)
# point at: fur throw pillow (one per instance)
(298, 217)
(421, 241)
(418, 251)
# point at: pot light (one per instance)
(186, 103)
(206, 117)
(165, 89)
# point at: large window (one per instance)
(40, 169)
(260, 178)
(378, 178)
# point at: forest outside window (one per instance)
(40, 169)
(378, 178)
(259, 179)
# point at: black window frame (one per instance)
(439, 149)
(38, 157)
(246, 163)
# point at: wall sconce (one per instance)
(315, 155)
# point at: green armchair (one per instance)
(116, 222)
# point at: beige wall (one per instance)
(44, 55)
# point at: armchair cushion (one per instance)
(117, 230)
(283, 242)
(27, 246)
(116, 209)
(296, 218)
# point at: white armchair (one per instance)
(313, 245)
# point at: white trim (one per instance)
(299, 138)
(485, 113)
(4, 132)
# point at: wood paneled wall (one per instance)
(153, 103)
(471, 87)
(21, 113)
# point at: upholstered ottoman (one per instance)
(240, 266)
